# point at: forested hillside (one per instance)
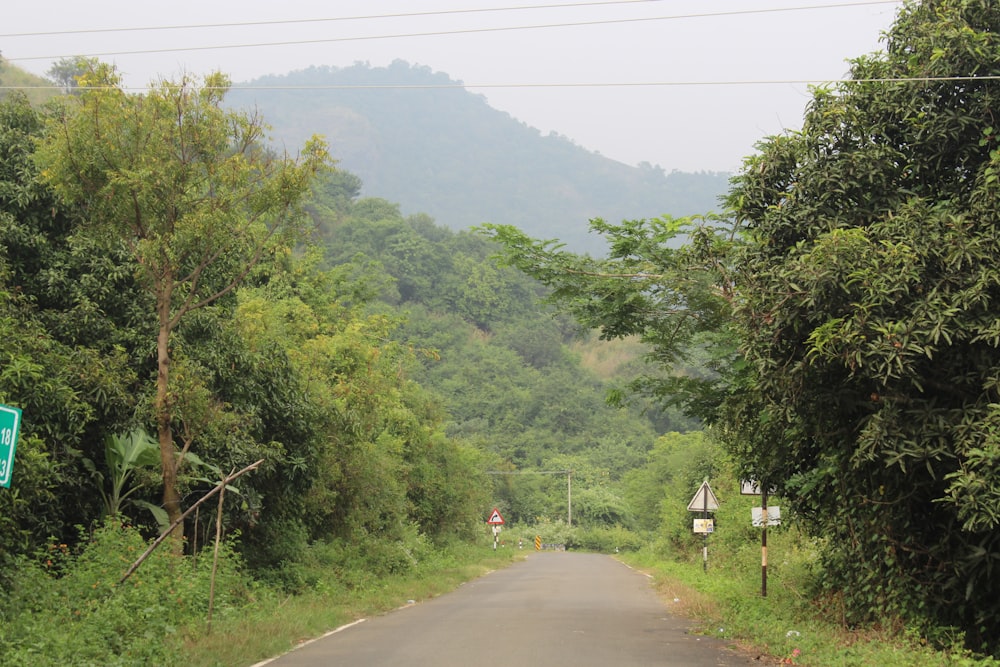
(496, 355)
(416, 137)
(180, 302)
(12, 77)
(383, 368)
(378, 376)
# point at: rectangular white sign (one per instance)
(773, 515)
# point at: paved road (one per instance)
(551, 610)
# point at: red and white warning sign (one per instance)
(495, 518)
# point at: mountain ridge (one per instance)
(417, 137)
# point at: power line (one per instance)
(593, 84)
(470, 31)
(242, 24)
(196, 26)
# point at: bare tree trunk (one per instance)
(215, 558)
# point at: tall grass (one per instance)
(789, 624)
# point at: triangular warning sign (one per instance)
(495, 518)
(704, 500)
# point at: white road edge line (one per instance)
(645, 574)
(310, 641)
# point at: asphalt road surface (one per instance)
(551, 610)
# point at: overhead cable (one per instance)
(458, 85)
(242, 24)
(465, 31)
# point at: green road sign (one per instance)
(10, 427)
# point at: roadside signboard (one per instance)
(10, 428)
(495, 518)
(704, 500)
(704, 525)
(751, 487)
(773, 516)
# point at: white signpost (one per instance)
(773, 516)
(761, 517)
(704, 501)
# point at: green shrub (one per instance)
(71, 609)
(604, 539)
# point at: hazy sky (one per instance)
(726, 69)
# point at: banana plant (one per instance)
(124, 454)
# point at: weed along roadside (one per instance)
(770, 609)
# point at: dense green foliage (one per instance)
(69, 608)
(188, 192)
(498, 358)
(859, 289)
(869, 313)
(390, 377)
(289, 368)
(676, 299)
(417, 137)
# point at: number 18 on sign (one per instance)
(10, 427)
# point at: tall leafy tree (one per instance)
(674, 297)
(67, 71)
(870, 294)
(186, 187)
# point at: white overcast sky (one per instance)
(727, 68)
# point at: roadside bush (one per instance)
(605, 539)
(69, 608)
(551, 532)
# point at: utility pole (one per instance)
(569, 498)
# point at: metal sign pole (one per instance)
(763, 542)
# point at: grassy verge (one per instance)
(785, 627)
(271, 624)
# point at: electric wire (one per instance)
(242, 24)
(445, 12)
(594, 84)
(466, 31)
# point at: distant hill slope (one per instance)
(37, 89)
(447, 153)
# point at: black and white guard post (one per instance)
(495, 520)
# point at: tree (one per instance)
(68, 71)
(187, 188)
(674, 298)
(869, 292)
